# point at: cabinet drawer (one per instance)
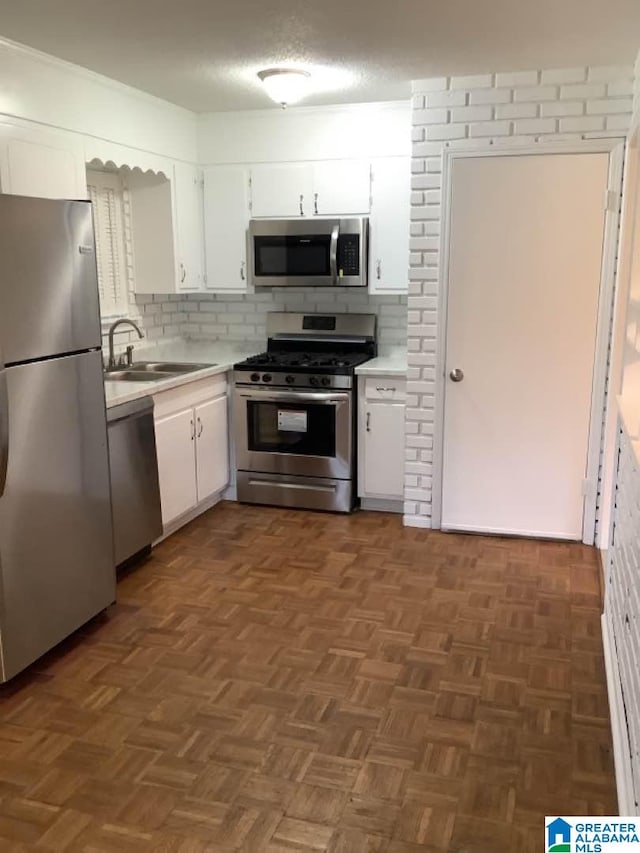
(188, 395)
(393, 388)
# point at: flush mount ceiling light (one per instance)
(285, 85)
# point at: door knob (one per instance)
(456, 375)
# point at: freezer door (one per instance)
(48, 280)
(56, 544)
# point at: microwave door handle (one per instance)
(4, 427)
(333, 253)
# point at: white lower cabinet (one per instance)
(192, 444)
(212, 447)
(176, 464)
(381, 437)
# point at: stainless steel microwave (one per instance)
(309, 252)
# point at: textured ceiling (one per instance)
(203, 54)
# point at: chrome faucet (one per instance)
(112, 359)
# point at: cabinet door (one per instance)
(226, 219)
(282, 189)
(383, 435)
(152, 232)
(41, 164)
(189, 228)
(212, 447)
(175, 443)
(341, 187)
(389, 238)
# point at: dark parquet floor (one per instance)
(274, 681)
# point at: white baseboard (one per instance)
(416, 521)
(177, 523)
(382, 505)
(621, 755)
(231, 493)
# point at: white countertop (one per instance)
(392, 362)
(220, 354)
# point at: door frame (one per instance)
(615, 148)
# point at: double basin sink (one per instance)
(151, 371)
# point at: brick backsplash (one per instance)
(242, 317)
(499, 110)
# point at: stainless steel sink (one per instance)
(152, 371)
(134, 376)
(168, 366)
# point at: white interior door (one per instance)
(525, 256)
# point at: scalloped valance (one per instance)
(103, 154)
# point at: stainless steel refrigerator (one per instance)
(56, 543)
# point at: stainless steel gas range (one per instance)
(295, 411)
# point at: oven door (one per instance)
(300, 433)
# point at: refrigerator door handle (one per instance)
(4, 427)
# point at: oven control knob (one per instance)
(325, 380)
(289, 380)
(255, 377)
(313, 380)
(266, 377)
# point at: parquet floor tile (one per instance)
(273, 681)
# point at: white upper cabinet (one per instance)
(282, 189)
(189, 227)
(41, 163)
(326, 188)
(152, 232)
(226, 219)
(341, 187)
(389, 237)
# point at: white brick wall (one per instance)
(622, 600)
(522, 108)
(240, 317)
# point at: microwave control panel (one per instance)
(348, 254)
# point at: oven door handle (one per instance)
(333, 253)
(284, 397)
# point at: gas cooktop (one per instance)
(337, 362)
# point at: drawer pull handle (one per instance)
(385, 389)
(368, 421)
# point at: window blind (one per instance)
(106, 195)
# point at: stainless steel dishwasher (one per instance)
(135, 490)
